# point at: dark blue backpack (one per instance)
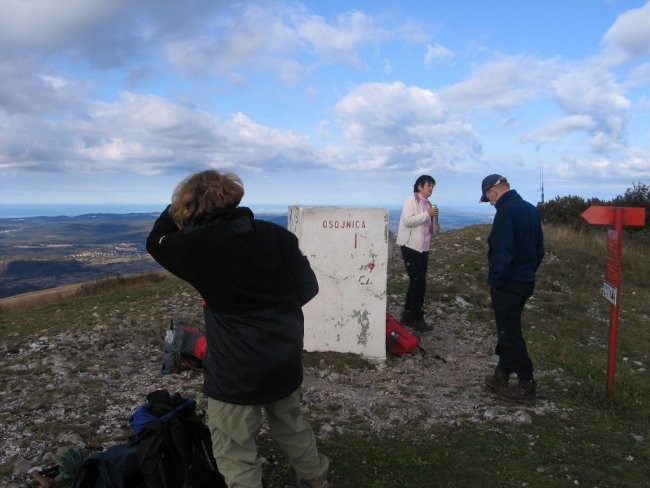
(174, 446)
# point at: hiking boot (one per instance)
(524, 392)
(406, 318)
(421, 325)
(316, 483)
(497, 380)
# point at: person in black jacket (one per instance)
(515, 252)
(254, 280)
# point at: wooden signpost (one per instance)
(618, 217)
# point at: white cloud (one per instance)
(377, 111)
(150, 87)
(25, 87)
(639, 76)
(144, 134)
(590, 91)
(45, 24)
(557, 129)
(584, 169)
(635, 163)
(104, 34)
(631, 165)
(393, 126)
(413, 31)
(253, 36)
(594, 103)
(101, 33)
(629, 37)
(437, 53)
(269, 37)
(256, 146)
(340, 42)
(503, 83)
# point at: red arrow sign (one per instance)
(618, 217)
(605, 215)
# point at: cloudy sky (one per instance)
(322, 102)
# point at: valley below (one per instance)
(38, 253)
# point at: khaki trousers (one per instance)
(234, 428)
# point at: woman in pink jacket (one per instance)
(417, 225)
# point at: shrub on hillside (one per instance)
(637, 196)
(567, 210)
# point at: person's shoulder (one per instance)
(521, 201)
(267, 226)
(513, 199)
(520, 207)
(410, 199)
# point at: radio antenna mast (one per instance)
(541, 183)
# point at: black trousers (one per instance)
(508, 304)
(416, 264)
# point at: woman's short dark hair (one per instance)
(200, 194)
(423, 180)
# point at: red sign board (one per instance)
(618, 217)
(605, 215)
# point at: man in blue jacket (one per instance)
(515, 252)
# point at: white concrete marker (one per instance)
(348, 251)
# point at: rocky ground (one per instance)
(79, 388)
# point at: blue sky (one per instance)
(322, 103)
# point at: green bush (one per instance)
(567, 210)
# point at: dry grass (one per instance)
(77, 290)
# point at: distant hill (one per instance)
(43, 252)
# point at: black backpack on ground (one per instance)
(174, 446)
(113, 467)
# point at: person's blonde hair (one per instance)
(202, 193)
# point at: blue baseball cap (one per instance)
(490, 182)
